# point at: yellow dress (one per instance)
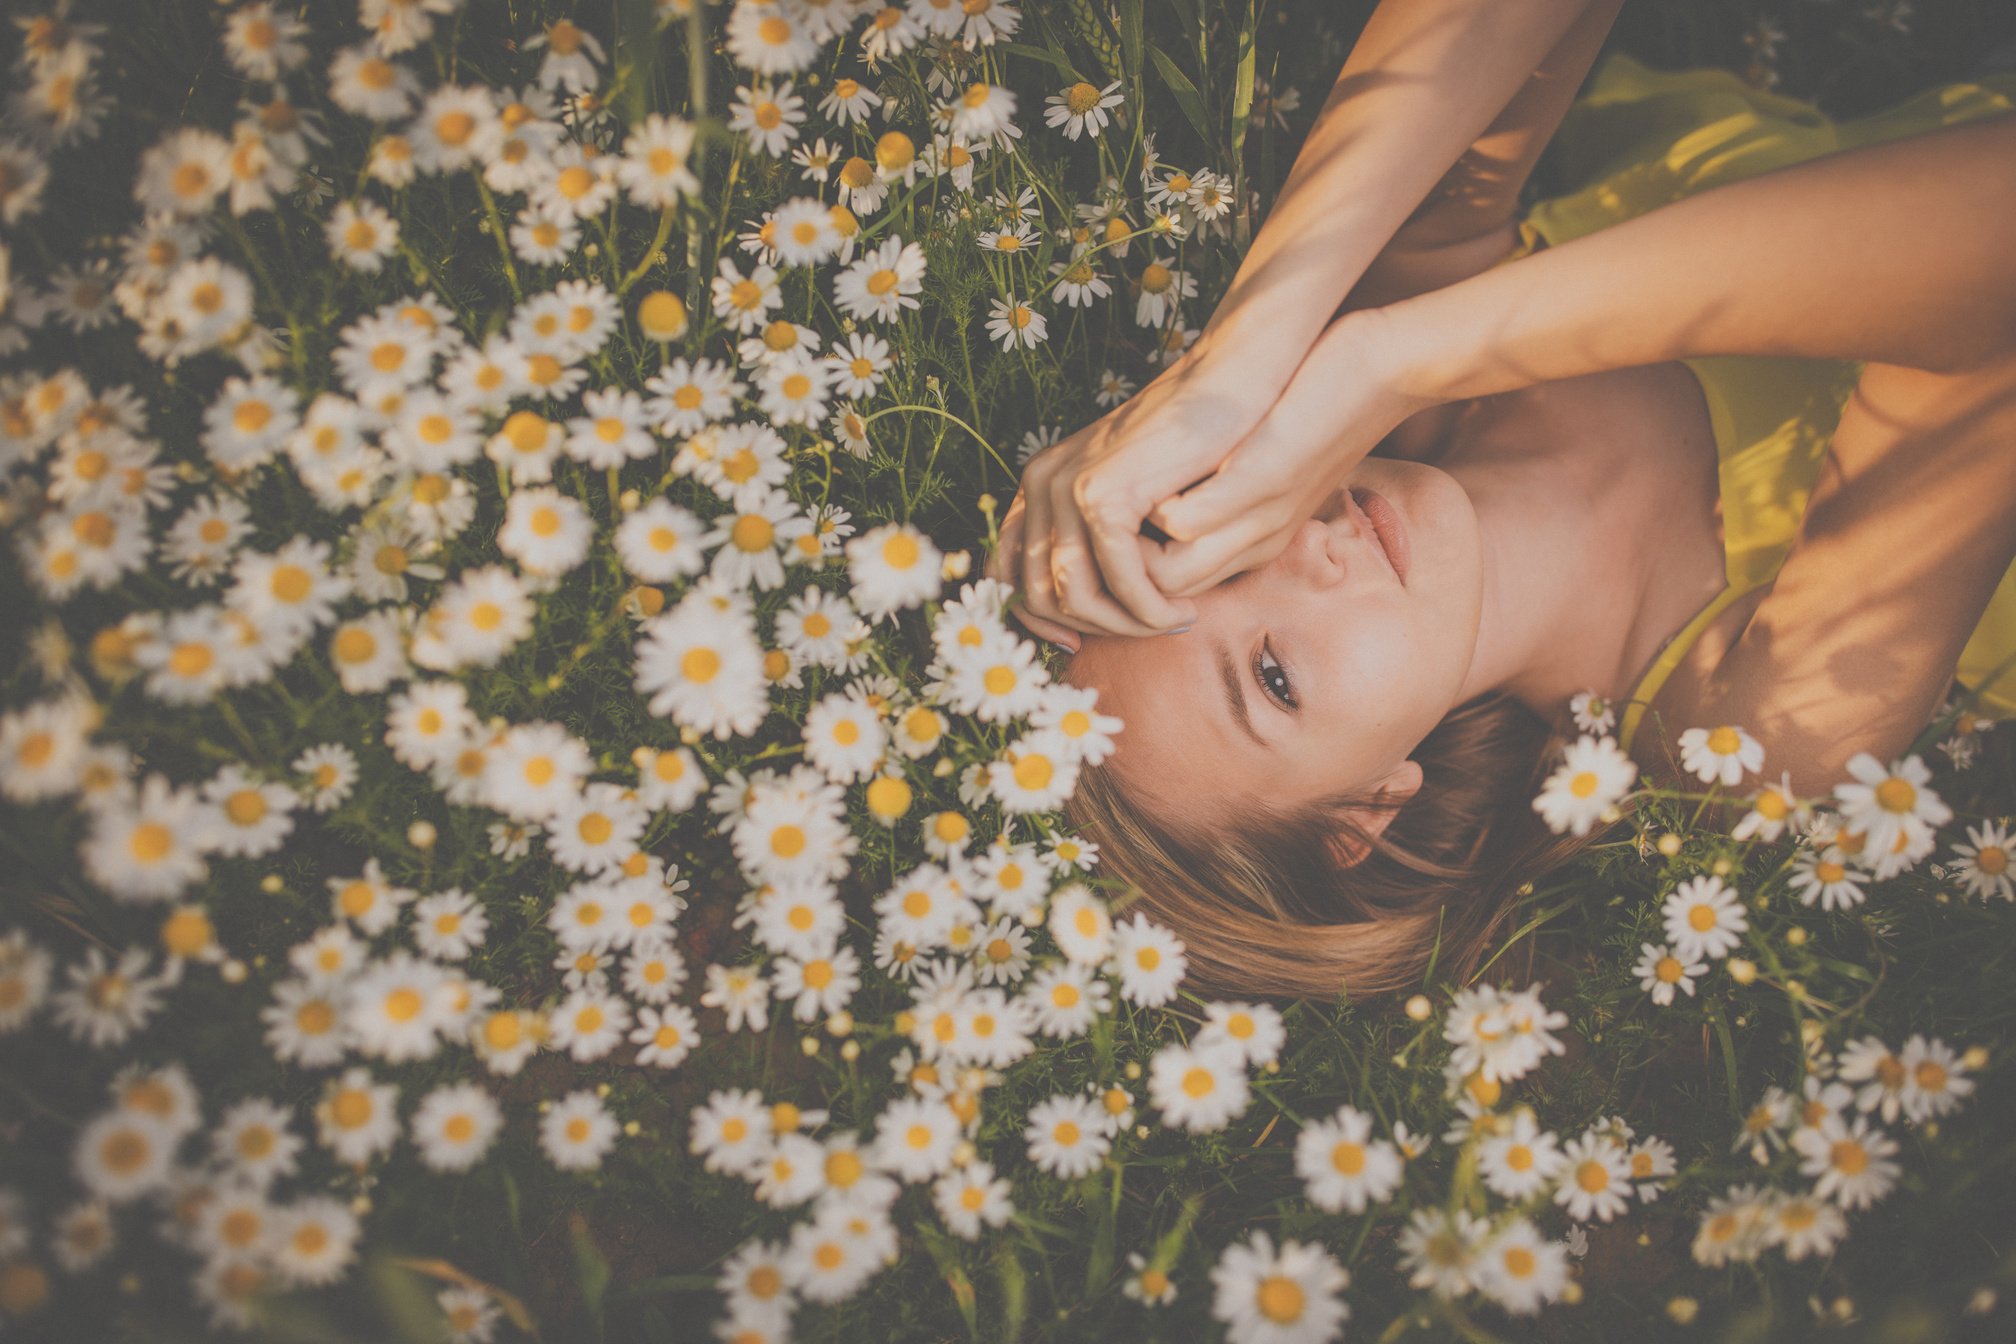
(1642, 138)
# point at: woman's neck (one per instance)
(1596, 507)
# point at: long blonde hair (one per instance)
(1264, 908)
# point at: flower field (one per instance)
(522, 820)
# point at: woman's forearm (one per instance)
(1425, 80)
(1898, 254)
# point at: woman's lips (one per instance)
(1387, 529)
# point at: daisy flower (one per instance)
(122, 1155)
(1935, 1078)
(687, 396)
(667, 1035)
(654, 168)
(1292, 1296)
(578, 182)
(1078, 283)
(313, 1241)
(253, 817)
(1595, 1178)
(803, 233)
(849, 102)
(546, 532)
(1824, 877)
(1772, 809)
(1081, 109)
(361, 236)
(1065, 999)
(454, 1126)
(1720, 755)
(994, 675)
(369, 653)
(1886, 803)
(983, 112)
(577, 1132)
(1801, 1225)
(915, 1138)
(478, 618)
(253, 1137)
(365, 84)
(1067, 1135)
(844, 737)
(769, 117)
(1650, 1160)
(1198, 1088)
(612, 432)
(183, 173)
(572, 54)
(357, 1117)
(1146, 1283)
(1593, 777)
(395, 1009)
(817, 986)
(744, 302)
(1982, 865)
(449, 925)
(143, 847)
(882, 283)
(972, 1196)
(1850, 1163)
(1519, 1159)
(1150, 962)
(792, 390)
(1660, 971)
(1160, 290)
(742, 995)
(1071, 712)
(837, 1251)
(1255, 1030)
(1014, 322)
(1704, 918)
(1521, 1270)
(543, 236)
(892, 567)
(1342, 1166)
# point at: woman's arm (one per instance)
(1467, 224)
(1909, 530)
(1898, 253)
(1436, 96)
(1424, 80)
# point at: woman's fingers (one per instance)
(1005, 563)
(1238, 487)
(1060, 635)
(1081, 599)
(1186, 568)
(1114, 532)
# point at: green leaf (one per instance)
(1048, 55)
(1242, 87)
(1130, 37)
(1099, 1264)
(1186, 93)
(946, 1257)
(591, 1272)
(1014, 1291)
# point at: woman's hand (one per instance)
(1346, 397)
(1071, 540)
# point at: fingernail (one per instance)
(1179, 630)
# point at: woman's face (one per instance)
(1314, 675)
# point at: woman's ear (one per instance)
(1401, 783)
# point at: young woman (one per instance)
(1734, 457)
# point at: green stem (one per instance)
(503, 241)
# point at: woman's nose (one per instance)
(1311, 555)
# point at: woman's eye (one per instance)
(1274, 677)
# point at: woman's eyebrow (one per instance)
(1235, 691)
